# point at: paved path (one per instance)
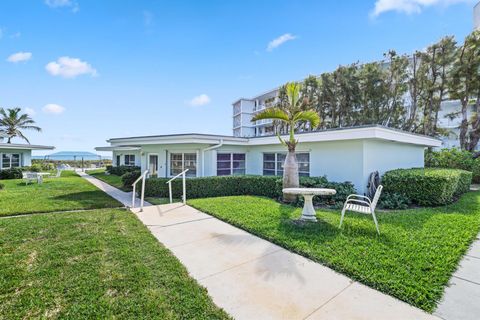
(124, 197)
(461, 299)
(251, 278)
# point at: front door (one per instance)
(153, 164)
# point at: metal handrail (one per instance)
(142, 177)
(169, 182)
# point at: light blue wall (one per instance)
(25, 156)
(346, 160)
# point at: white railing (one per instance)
(142, 177)
(169, 182)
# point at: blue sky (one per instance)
(89, 70)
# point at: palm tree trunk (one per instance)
(290, 175)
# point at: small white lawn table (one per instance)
(308, 212)
(40, 176)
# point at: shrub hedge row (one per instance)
(13, 173)
(121, 170)
(454, 159)
(429, 186)
(265, 186)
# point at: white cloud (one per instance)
(53, 108)
(200, 100)
(19, 57)
(63, 3)
(408, 6)
(69, 67)
(15, 35)
(280, 40)
(31, 112)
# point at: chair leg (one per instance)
(341, 218)
(375, 220)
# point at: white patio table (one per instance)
(308, 212)
(40, 176)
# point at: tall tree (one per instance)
(465, 85)
(292, 114)
(12, 122)
(396, 87)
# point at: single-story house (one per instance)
(14, 155)
(346, 154)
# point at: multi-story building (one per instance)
(244, 110)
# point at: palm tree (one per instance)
(293, 113)
(12, 122)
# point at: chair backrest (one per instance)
(59, 173)
(377, 196)
(31, 175)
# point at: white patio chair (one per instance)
(29, 177)
(362, 204)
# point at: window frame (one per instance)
(231, 161)
(182, 153)
(278, 169)
(10, 160)
(128, 164)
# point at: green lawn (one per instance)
(111, 179)
(412, 259)
(69, 192)
(94, 264)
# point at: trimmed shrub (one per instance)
(454, 159)
(429, 186)
(121, 170)
(266, 186)
(389, 200)
(13, 173)
(129, 178)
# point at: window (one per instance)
(183, 161)
(273, 164)
(129, 160)
(118, 161)
(229, 164)
(10, 160)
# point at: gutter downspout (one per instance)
(208, 149)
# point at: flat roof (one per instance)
(25, 146)
(336, 134)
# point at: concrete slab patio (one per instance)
(252, 278)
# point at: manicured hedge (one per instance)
(454, 159)
(429, 186)
(13, 173)
(129, 178)
(121, 170)
(265, 186)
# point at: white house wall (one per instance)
(383, 156)
(339, 161)
(25, 156)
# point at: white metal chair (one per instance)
(29, 177)
(362, 204)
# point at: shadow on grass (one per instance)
(94, 195)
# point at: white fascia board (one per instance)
(24, 146)
(355, 134)
(178, 140)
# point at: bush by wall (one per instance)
(265, 186)
(13, 173)
(454, 159)
(129, 178)
(121, 170)
(429, 186)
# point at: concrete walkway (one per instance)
(461, 299)
(124, 197)
(251, 278)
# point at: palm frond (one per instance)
(272, 113)
(309, 116)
